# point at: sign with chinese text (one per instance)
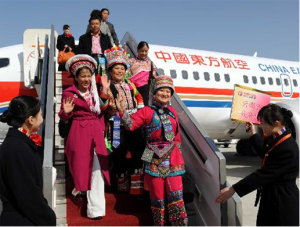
(247, 102)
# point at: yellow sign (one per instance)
(247, 102)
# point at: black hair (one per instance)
(142, 44)
(104, 9)
(111, 67)
(95, 18)
(66, 27)
(272, 113)
(96, 13)
(78, 71)
(20, 108)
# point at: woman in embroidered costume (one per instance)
(142, 71)
(162, 156)
(123, 141)
(275, 181)
(21, 167)
(85, 147)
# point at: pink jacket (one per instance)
(85, 136)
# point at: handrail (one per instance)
(43, 88)
(47, 101)
(49, 115)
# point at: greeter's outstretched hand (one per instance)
(225, 194)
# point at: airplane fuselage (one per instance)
(205, 82)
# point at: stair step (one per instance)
(61, 173)
(59, 155)
(58, 75)
(61, 200)
(59, 142)
(59, 160)
(58, 89)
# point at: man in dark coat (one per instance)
(22, 194)
(104, 17)
(93, 43)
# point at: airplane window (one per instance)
(254, 79)
(227, 77)
(270, 79)
(206, 76)
(196, 75)
(173, 73)
(295, 83)
(278, 82)
(262, 80)
(4, 62)
(184, 74)
(246, 80)
(160, 71)
(217, 77)
(286, 82)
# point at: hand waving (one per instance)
(68, 105)
(105, 81)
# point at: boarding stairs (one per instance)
(203, 159)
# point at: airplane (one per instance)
(12, 79)
(204, 80)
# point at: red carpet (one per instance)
(121, 209)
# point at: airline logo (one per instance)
(246, 95)
(181, 58)
(277, 68)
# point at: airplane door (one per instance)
(286, 85)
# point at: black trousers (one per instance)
(144, 91)
(133, 142)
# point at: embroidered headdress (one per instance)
(79, 61)
(117, 55)
(84, 60)
(163, 81)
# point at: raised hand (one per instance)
(120, 104)
(105, 81)
(68, 105)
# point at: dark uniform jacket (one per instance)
(279, 203)
(62, 40)
(85, 44)
(21, 182)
